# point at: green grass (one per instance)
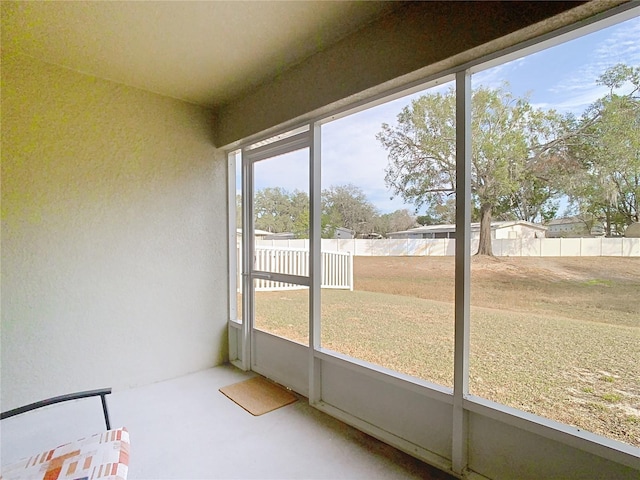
(547, 365)
(612, 397)
(599, 281)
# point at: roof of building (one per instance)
(565, 221)
(474, 227)
(256, 232)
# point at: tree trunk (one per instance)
(484, 246)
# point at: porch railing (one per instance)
(337, 267)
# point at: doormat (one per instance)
(258, 395)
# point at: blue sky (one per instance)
(561, 77)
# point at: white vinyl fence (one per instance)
(512, 247)
(337, 267)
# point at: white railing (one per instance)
(511, 247)
(337, 268)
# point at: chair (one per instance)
(104, 455)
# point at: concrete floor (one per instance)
(186, 429)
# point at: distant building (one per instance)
(370, 236)
(506, 229)
(572, 227)
(633, 231)
(259, 234)
(342, 232)
(280, 236)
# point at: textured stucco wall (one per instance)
(113, 235)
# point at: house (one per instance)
(499, 230)
(338, 232)
(280, 236)
(259, 234)
(572, 227)
(426, 231)
(118, 121)
(370, 236)
(633, 230)
(342, 232)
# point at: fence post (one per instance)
(350, 271)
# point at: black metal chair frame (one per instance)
(102, 393)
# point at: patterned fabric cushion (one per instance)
(103, 456)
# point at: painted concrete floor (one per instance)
(186, 429)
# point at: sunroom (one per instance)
(136, 139)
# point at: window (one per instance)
(556, 326)
(398, 313)
(280, 207)
(553, 322)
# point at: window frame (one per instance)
(460, 399)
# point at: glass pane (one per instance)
(238, 212)
(282, 309)
(555, 317)
(395, 309)
(281, 213)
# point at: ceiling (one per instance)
(207, 53)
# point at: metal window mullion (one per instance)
(281, 277)
(315, 266)
(459, 456)
(232, 237)
(247, 261)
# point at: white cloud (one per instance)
(620, 45)
(576, 103)
(496, 77)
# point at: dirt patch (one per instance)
(599, 289)
(561, 268)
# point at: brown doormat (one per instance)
(258, 395)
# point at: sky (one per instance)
(561, 77)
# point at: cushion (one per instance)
(103, 456)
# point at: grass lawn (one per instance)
(555, 337)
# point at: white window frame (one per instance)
(461, 400)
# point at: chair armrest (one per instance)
(102, 392)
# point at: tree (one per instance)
(276, 210)
(535, 200)
(608, 151)
(347, 206)
(393, 222)
(513, 143)
(440, 212)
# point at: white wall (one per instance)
(113, 246)
(515, 247)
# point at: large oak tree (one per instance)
(517, 151)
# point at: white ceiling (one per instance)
(202, 52)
